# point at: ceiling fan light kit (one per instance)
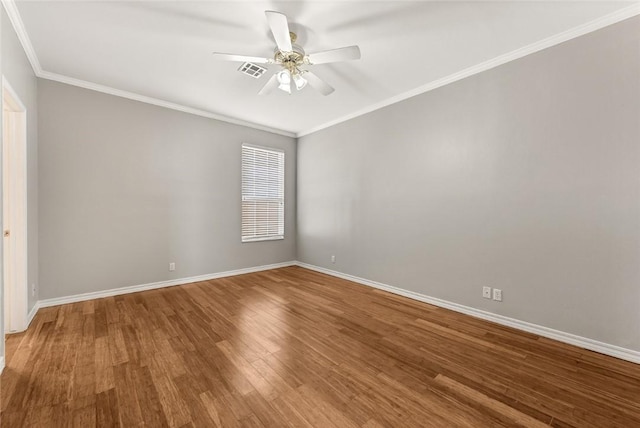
(292, 58)
(284, 78)
(290, 61)
(299, 81)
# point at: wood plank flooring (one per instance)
(292, 347)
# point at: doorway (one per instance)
(14, 210)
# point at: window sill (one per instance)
(263, 238)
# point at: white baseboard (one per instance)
(572, 339)
(152, 286)
(32, 313)
(561, 336)
(1, 364)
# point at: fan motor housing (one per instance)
(296, 56)
(292, 59)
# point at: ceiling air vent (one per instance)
(252, 70)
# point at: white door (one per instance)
(6, 226)
(14, 212)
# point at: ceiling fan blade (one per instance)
(269, 86)
(317, 83)
(280, 29)
(335, 55)
(241, 58)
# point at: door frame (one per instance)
(14, 217)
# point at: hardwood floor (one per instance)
(291, 347)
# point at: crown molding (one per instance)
(597, 24)
(589, 27)
(14, 16)
(18, 26)
(157, 102)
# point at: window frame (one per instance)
(280, 222)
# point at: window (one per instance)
(262, 194)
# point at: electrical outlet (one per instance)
(333, 259)
(486, 292)
(172, 267)
(497, 295)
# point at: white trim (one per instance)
(1, 364)
(14, 150)
(263, 148)
(596, 24)
(18, 26)
(578, 31)
(32, 313)
(154, 285)
(158, 102)
(572, 339)
(262, 238)
(561, 336)
(15, 101)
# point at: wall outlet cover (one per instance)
(486, 292)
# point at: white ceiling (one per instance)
(162, 49)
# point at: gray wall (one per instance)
(524, 178)
(126, 188)
(18, 72)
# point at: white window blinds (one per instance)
(262, 194)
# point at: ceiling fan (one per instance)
(293, 59)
